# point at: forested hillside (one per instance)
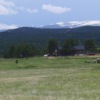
(39, 37)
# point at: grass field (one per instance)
(39, 78)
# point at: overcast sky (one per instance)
(44, 12)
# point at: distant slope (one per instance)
(73, 24)
(40, 37)
(2, 30)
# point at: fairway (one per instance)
(39, 78)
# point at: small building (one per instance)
(79, 49)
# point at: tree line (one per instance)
(21, 51)
(68, 47)
(53, 48)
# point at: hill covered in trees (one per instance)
(39, 37)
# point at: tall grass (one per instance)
(62, 78)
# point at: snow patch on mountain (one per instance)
(6, 27)
(73, 24)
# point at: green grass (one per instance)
(39, 78)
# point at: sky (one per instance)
(18, 13)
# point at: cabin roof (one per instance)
(79, 47)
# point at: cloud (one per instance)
(7, 8)
(29, 10)
(55, 9)
(5, 26)
(32, 10)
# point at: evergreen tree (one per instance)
(20, 51)
(11, 52)
(90, 45)
(52, 47)
(24, 50)
(68, 47)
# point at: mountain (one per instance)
(7, 27)
(39, 37)
(73, 24)
(2, 30)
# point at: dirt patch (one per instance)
(51, 57)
